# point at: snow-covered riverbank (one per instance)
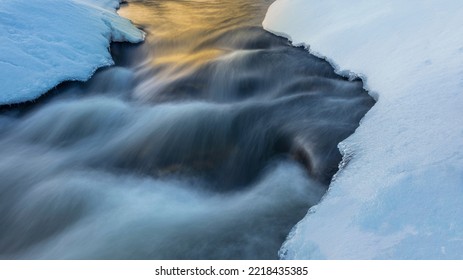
(46, 42)
(401, 194)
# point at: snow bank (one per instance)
(45, 42)
(400, 196)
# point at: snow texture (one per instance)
(45, 42)
(399, 194)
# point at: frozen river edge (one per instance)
(37, 52)
(400, 195)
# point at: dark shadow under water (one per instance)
(211, 140)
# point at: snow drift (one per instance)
(45, 42)
(399, 194)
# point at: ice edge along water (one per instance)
(46, 42)
(401, 194)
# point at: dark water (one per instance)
(209, 141)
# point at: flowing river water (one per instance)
(210, 140)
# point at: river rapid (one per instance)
(210, 140)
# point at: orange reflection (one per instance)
(179, 30)
(189, 58)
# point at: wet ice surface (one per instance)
(209, 141)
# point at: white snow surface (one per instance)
(45, 42)
(399, 194)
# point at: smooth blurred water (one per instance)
(211, 140)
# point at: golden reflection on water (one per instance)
(189, 58)
(178, 30)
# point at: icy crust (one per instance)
(400, 195)
(45, 42)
